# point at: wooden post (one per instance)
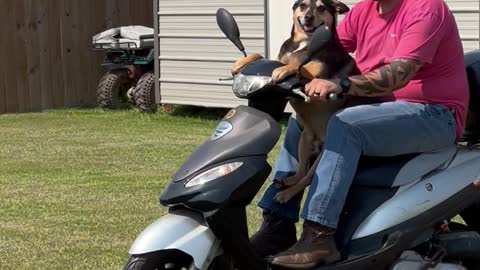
(31, 99)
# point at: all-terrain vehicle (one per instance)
(130, 78)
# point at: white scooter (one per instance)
(397, 214)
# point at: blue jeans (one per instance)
(383, 129)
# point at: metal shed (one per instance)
(192, 53)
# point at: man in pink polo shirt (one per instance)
(411, 56)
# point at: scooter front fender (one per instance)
(182, 230)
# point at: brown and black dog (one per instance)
(308, 15)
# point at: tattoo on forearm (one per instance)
(386, 79)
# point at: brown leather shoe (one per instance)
(275, 235)
(316, 246)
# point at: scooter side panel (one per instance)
(179, 231)
(244, 132)
(422, 196)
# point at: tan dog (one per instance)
(308, 15)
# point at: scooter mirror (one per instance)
(229, 27)
(320, 38)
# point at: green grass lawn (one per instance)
(79, 185)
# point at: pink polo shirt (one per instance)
(423, 30)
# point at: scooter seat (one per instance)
(400, 170)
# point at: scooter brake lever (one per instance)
(299, 92)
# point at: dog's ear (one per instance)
(295, 5)
(340, 7)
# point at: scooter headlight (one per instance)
(244, 85)
(213, 174)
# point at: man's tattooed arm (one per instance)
(386, 79)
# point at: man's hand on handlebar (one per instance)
(319, 89)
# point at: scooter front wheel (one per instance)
(162, 260)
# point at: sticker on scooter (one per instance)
(222, 129)
(230, 114)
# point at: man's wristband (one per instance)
(345, 84)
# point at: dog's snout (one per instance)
(308, 17)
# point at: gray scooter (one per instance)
(397, 214)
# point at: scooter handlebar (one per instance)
(335, 96)
(300, 91)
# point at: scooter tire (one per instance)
(159, 261)
(471, 217)
(472, 265)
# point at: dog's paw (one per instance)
(283, 196)
(281, 73)
(241, 63)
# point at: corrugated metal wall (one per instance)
(193, 53)
(467, 16)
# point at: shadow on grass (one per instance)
(198, 112)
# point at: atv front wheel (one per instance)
(144, 93)
(112, 89)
